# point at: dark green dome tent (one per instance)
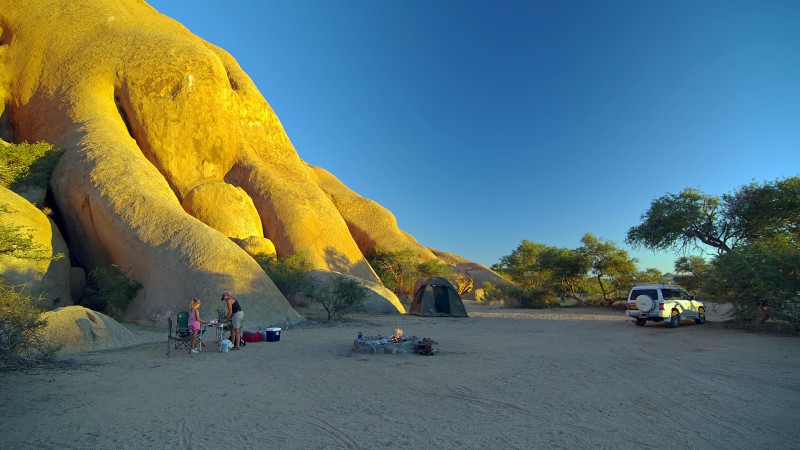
(437, 297)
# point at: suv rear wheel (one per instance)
(675, 319)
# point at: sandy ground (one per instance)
(566, 378)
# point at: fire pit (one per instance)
(396, 344)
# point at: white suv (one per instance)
(659, 302)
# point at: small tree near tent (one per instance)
(397, 270)
(463, 282)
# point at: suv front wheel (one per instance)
(675, 319)
(701, 316)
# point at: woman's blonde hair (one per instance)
(195, 303)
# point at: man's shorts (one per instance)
(236, 320)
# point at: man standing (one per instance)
(235, 316)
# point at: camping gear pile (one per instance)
(397, 344)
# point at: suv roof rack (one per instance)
(649, 283)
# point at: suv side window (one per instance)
(675, 294)
(671, 294)
(652, 293)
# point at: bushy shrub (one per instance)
(23, 165)
(340, 297)
(491, 294)
(110, 290)
(537, 298)
(789, 312)
(290, 275)
(21, 344)
(513, 296)
(759, 280)
(434, 268)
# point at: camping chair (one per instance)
(181, 338)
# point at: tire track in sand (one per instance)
(340, 436)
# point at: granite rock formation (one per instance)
(171, 151)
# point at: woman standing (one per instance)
(194, 322)
(235, 315)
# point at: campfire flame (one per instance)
(398, 335)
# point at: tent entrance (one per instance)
(441, 299)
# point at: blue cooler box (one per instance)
(273, 334)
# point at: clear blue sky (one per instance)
(538, 120)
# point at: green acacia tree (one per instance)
(523, 265)
(760, 210)
(679, 222)
(610, 265)
(567, 269)
(692, 219)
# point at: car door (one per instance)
(689, 306)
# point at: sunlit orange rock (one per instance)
(172, 151)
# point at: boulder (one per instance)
(76, 329)
(35, 271)
(224, 207)
(256, 245)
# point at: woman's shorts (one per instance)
(194, 325)
(236, 320)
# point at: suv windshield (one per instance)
(652, 293)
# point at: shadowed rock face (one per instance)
(172, 151)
